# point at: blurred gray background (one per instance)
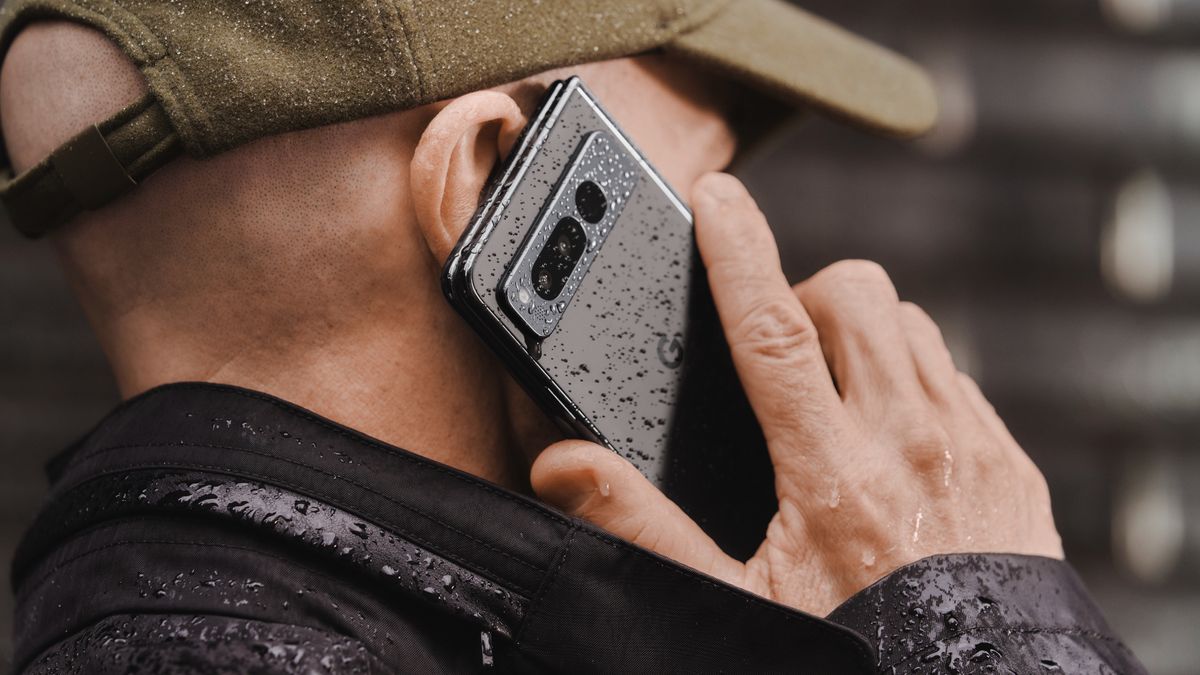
(1051, 224)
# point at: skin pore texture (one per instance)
(306, 265)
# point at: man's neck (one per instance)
(428, 386)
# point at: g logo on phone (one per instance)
(670, 350)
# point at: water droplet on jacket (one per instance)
(328, 539)
(358, 529)
(388, 570)
(448, 582)
(984, 651)
(1051, 666)
(300, 506)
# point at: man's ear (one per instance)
(453, 160)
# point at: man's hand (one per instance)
(900, 459)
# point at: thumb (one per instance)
(598, 485)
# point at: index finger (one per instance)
(771, 337)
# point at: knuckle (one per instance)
(862, 276)
(969, 383)
(774, 330)
(917, 317)
(925, 444)
(1033, 476)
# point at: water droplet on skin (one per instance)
(917, 526)
(835, 497)
(868, 558)
(605, 489)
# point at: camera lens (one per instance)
(544, 281)
(567, 240)
(590, 201)
(557, 260)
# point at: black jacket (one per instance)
(203, 528)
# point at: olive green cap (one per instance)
(225, 72)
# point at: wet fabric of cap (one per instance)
(224, 72)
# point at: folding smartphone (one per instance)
(580, 270)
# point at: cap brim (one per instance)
(804, 59)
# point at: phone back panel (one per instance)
(638, 360)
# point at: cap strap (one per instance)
(92, 169)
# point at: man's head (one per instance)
(313, 254)
(305, 263)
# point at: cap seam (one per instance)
(410, 49)
(693, 20)
(142, 46)
(170, 86)
(89, 13)
(189, 118)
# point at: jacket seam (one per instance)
(59, 565)
(544, 590)
(374, 661)
(308, 492)
(1019, 629)
(139, 542)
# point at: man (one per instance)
(291, 265)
